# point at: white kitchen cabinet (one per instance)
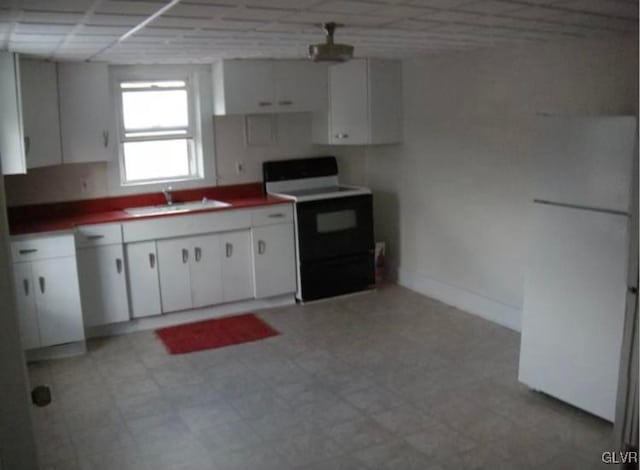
(103, 285)
(40, 112)
(365, 104)
(142, 277)
(237, 282)
(26, 304)
(86, 112)
(205, 274)
(47, 292)
(268, 86)
(273, 260)
(11, 131)
(175, 284)
(204, 270)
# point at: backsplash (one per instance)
(91, 180)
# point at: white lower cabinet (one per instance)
(204, 270)
(142, 276)
(273, 260)
(103, 285)
(48, 301)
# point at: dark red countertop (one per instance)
(66, 215)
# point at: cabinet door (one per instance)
(103, 285)
(206, 280)
(173, 268)
(11, 136)
(348, 103)
(237, 282)
(274, 260)
(58, 301)
(86, 112)
(142, 274)
(248, 87)
(300, 86)
(39, 83)
(26, 304)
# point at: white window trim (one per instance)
(203, 174)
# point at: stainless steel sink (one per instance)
(176, 207)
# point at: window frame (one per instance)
(193, 136)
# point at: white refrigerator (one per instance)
(576, 276)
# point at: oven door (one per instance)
(330, 228)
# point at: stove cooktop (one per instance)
(318, 191)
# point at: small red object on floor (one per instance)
(216, 333)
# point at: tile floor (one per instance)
(384, 380)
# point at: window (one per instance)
(157, 131)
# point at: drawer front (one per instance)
(185, 225)
(100, 234)
(279, 214)
(29, 248)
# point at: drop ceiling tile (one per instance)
(605, 7)
(51, 17)
(439, 4)
(399, 11)
(25, 38)
(180, 22)
(130, 7)
(115, 20)
(417, 24)
(202, 10)
(345, 6)
(57, 5)
(291, 4)
(40, 28)
(258, 14)
(489, 6)
(99, 30)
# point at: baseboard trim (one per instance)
(489, 309)
(188, 316)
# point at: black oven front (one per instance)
(336, 245)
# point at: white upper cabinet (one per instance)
(86, 112)
(40, 112)
(268, 86)
(365, 104)
(11, 134)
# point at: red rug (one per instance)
(217, 333)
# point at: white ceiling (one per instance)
(205, 30)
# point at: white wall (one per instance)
(452, 200)
(17, 446)
(91, 180)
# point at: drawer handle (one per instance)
(229, 249)
(119, 265)
(285, 103)
(185, 255)
(263, 104)
(42, 286)
(152, 260)
(262, 246)
(27, 251)
(26, 287)
(94, 237)
(342, 136)
(197, 253)
(279, 215)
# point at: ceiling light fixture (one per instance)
(330, 51)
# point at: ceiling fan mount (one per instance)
(329, 51)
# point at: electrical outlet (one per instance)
(239, 167)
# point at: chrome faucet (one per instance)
(168, 196)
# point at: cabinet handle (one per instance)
(229, 249)
(285, 103)
(262, 246)
(105, 138)
(278, 215)
(26, 287)
(152, 260)
(263, 104)
(27, 251)
(197, 253)
(119, 265)
(185, 255)
(27, 145)
(94, 237)
(342, 136)
(42, 286)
